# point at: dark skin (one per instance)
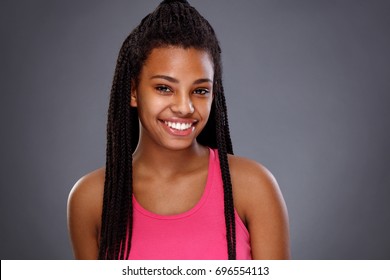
(170, 167)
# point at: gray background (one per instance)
(308, 91)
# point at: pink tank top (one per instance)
(197, 234)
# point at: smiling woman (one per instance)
(174, 96)
(167, 189)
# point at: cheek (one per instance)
(149, 106)
(205, 106)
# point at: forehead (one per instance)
(177, 61)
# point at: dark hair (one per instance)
(173, 23)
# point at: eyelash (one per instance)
(165, 89)
(203, 91)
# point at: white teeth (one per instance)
(178, 126)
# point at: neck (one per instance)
(164, 162)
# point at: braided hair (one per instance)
(172, 23)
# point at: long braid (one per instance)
(117, 206)
(225, 147)
(173, 23)
(123, 182)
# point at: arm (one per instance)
(260, 204)
(84, 214)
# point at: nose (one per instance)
(182, 105)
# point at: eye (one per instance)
(163, 89)
(201, 91)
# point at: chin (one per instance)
(179, 145)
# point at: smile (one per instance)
(178, 125)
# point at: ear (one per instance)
(133, 95)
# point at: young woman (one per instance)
(171, 187)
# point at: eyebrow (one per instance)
(173, 80)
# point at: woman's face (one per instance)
(174, 96)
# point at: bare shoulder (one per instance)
(250, 177)
(84, 214)
(260, 204)
(89, 187)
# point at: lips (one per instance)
(179, 127)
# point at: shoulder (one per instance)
(251, 177)
(88, 188)
(240, 165)
(260, 204)
(85, 203)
